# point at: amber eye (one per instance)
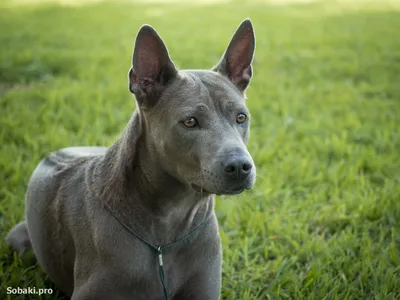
(190, 123)
(241, 118)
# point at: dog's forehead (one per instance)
(204, 86)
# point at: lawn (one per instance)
(323, 221)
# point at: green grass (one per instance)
(323, 221)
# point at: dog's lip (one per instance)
(236, 189)
(199, 189)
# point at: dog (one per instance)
(136, 220)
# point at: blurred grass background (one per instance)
(323, 221)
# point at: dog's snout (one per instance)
(238, 167)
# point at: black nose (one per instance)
(238, 168)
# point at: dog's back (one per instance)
(47, 214)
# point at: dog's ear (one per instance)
(152, 67)
(237, 59)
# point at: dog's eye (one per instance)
(190, 122)
(241, 118)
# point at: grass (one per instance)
(323, 221)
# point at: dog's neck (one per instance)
(134, 183)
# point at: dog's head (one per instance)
(197, 123)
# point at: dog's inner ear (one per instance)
(152, 67)
(237, 59)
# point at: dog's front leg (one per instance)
(93, 291)
(96, 284)
(205, 283)
(205, 286)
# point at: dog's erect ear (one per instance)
(152, 67)
(237, 59)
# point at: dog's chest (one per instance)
(144, 271)
(137, 271)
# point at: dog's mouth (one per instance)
(235, 190)
(199, 189)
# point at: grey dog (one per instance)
(136, 220)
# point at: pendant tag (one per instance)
(160, 259)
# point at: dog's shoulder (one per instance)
(68, 157)
(64, 165)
